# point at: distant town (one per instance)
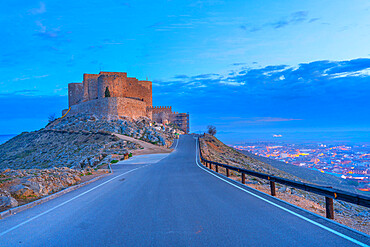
(351, 162)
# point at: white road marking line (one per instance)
(285, 209)
(47, 211)
(177, 143)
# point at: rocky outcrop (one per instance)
(81, 141)
(55, 148)
(142, 128)
(6, 200)
(30, 184)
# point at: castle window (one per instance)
(107, 93)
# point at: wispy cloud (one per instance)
(292, 19)
(45, 32)
(40, 10)
(258, 120)
(52, 34)
(29, 77)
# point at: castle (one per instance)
(113, 94)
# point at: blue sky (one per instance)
(252, 68)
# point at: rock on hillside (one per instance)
(50, 148)
(142, 128)
(22, 186)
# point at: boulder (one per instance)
(21, 191)
(6, 200)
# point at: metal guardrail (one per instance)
(328, 192)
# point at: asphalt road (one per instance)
(169, 200)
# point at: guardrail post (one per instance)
(243, 178)
(227, 172)
(329, 208)
(273, 189)
(210, 166)
(216, 168)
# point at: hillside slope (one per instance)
(83, 141)
(218, 151)
(348, 214)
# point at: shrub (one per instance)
(211, 130)
(114, 161)
(130, 155)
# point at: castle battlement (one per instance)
(127, 96)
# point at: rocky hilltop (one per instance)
(81, 141)
(142, 128)
(72, 150)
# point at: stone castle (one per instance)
(114, 95)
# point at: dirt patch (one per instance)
(145, 147)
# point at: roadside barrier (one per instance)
(329, 192)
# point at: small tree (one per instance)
(107, 93)
(52, 118)
(211, 130)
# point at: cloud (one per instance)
(39, 10)
(292, 19)
(281, 94)
(276, 80)
(274, 119)
(313, 20)
(29, 92)
(51, 34)
(29, 77)
(262, 120)
(181, 77)
(46, 33)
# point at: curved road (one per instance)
(169, 200)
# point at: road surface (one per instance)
(169, 200)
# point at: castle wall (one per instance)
(181, 120)
(131, 107)
(75, 93)
(164, 115)
(138, 89)
(115, 84)
(90, 84)
(111, 107)
(159, 109)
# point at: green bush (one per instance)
(114, 161)
(130, 155)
